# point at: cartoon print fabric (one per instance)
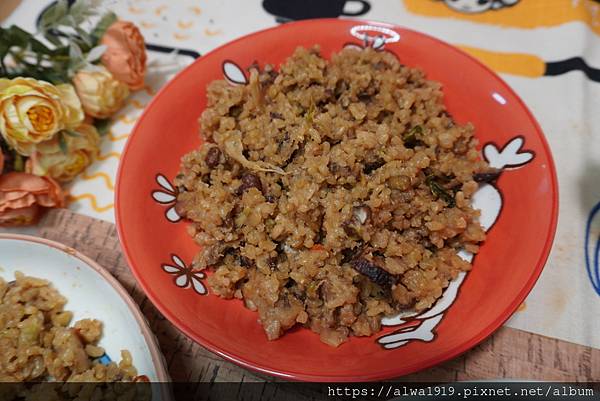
(547, 50)
(525, 14)
(289, 10)
(478, 6)
(513, 13)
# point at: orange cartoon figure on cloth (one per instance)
(519, 14)
(526, 14)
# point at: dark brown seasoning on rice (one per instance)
(212, 157)
(487, 176)
(249, 180)
(349, 175)
(373, 272)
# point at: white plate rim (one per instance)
(153, 347)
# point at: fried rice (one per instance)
(331, 193)
(37, 342)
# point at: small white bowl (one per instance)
(91, 292)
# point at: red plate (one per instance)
(522, 207)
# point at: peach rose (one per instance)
(100, 92)
(23, 196)
(125, 56)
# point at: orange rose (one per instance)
(1, 161)
(22, 197)
(125, 56)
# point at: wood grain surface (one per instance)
(509, 353)
(7, 7)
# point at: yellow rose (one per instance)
(73, 111)
(100, 93)
(80, 147)
(32, 111)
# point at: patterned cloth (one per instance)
(548, 51)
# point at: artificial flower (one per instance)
(23, 196)
(32, 111)
(73, 109)
(125, 55)
(66, 155)
(100, 93)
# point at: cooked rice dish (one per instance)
(37, 342)
(331, 193)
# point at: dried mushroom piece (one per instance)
(373, 272)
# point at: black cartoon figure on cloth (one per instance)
(478, 6)
(488, 199)
(291, 10)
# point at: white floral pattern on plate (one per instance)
(185, 276)
(167, 196)
(233, 73)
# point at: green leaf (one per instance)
(9, 156)
(85, 37)
(105, 22)
(19, 163)
(411, 138)
(66, 46)
(53, 15)
(438, 190)
(29, 70)
(76, 59)
(55, 77)
(95, 53)
(103, 126)
(72, 133)
(83, 9)
(61, 51)
(4, 43)
(75, 52)
(77, 10)
(18, 37)
(52, 38)
(62, 142)
(53, 74)
(69, 21)
(39, 47)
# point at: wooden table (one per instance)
(509, 353)
(7, 7)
